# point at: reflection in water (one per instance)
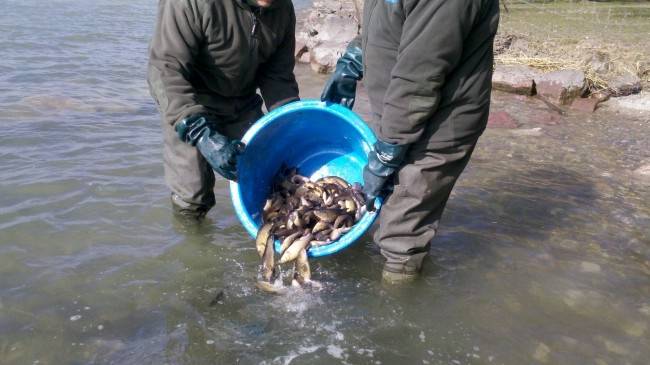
(543, 254)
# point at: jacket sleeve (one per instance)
(275, 77)
(173, 49)
(430, 47)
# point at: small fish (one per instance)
(360, 212)
(302, 272)
(335, 180)
(288, 186)
(267, 206)
(306, 203)
(294, 250)
(268, 287)
(342, 220)
(320, 226)
(263, 236)
(327, 215)
(299, 179)
(323, 235)
(268, 264)
(337, 233)
(318, 243)
(350, 205)
(288, 241)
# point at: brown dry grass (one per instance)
(562, 35)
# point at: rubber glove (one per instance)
(383, 161)
(341, 87)
(220, 151)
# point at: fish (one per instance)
(269, 287)
(262, 237)
(293, 251)
(320, 226)
(288, 241)
(334, 180)
(268, 264)
(327, 215)
(302, 272)
(338, 232)
(303, 214)
(342, 220)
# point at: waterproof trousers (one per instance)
(410, 215)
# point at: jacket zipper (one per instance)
(253, 31)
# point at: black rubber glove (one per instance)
(341, 87)
(383, 161)
(220, 151)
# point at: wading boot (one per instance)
(394, 278)
(188, 212)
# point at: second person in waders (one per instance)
(427, 66)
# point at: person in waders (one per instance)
(427, 67)
(207, 58)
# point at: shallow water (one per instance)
(543, 255)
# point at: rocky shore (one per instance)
(325, 29)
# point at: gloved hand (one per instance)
(383, 161)
(342, 85)
(220, 151)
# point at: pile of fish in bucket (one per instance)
(301, 214)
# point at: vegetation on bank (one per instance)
(603, 39)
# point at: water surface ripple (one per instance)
(543, 256)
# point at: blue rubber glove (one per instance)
(220, 151)
(341, 87)
(383, 161)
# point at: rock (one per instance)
(305, 58)
(541, 352)
(633, 103)
(514, 79)
(561, 87)
(601, 95)
(358, 5)
(624, 85)
(501, 119)
(586, 105)
(302, 52)
(330, 26)
(531, 132)
(301, 48)
(323, 60)
(599, 62)
(546, 118)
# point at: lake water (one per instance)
(543, 255)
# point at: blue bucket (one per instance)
(320, 140)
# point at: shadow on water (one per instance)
(516, 209)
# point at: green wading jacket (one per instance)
(210, 56)
(427, 63)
